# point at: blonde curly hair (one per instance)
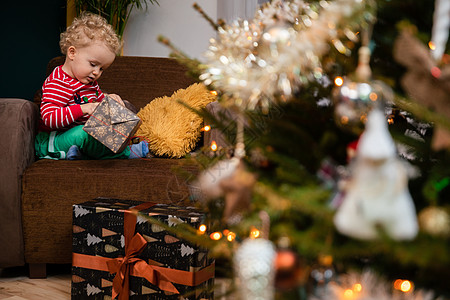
(87, 28)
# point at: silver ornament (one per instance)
(275, 39)
(254, 269)
(354, 100)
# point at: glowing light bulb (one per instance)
(348, 293)
(338, 81)
(254, 233)
(231, 236)
(357, 287)
(431, 45)
(397, 284)
(216, 236)
(406, 286)
(213, 146)
(206, 128)
(214, 93)
(202, 228)
(403, 285)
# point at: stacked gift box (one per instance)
(111, 242)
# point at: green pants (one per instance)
(54, 145)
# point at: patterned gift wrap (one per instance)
(103, 236)
(112, 124)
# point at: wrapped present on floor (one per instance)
(112, 124)
(118, 254)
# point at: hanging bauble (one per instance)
(435, 221)
(354, 100)
(254, 269)
(275, 39)
(322, 274)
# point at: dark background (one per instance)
(30, 32)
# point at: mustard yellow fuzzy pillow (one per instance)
(171, 129)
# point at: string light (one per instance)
(202, 229)
(216, 236)
(213, 93)
(352, 293)
(348, 293)
(213, 146)
(431, 45)
(231, 236)
(338, 81)
(403, 285)
(357, 287)
(406, 286)
(254, 233)
(206, 128)
(390, 121)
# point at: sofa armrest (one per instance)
(18, 123)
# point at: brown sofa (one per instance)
(36, 197)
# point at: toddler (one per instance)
(71, 93)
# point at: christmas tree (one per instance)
(335, 174)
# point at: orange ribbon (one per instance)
(128, 265)
(121, 266)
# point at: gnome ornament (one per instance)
(376, 196)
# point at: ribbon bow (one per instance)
(121, 266)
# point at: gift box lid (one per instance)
(174, 213)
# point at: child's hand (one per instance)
(117, 98)
(89, 108)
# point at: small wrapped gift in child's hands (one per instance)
(112, 124)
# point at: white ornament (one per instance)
(254, 268)
(377, 193)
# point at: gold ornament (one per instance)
(435, 221)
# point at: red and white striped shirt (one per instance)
(62, 97)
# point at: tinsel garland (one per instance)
(255, 62)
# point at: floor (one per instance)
(15, 284)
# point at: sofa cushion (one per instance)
(172, 129)
(50, 188)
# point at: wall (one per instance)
(182, 24)
(30, 38)
(174, 19)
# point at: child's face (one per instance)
(88, 63)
